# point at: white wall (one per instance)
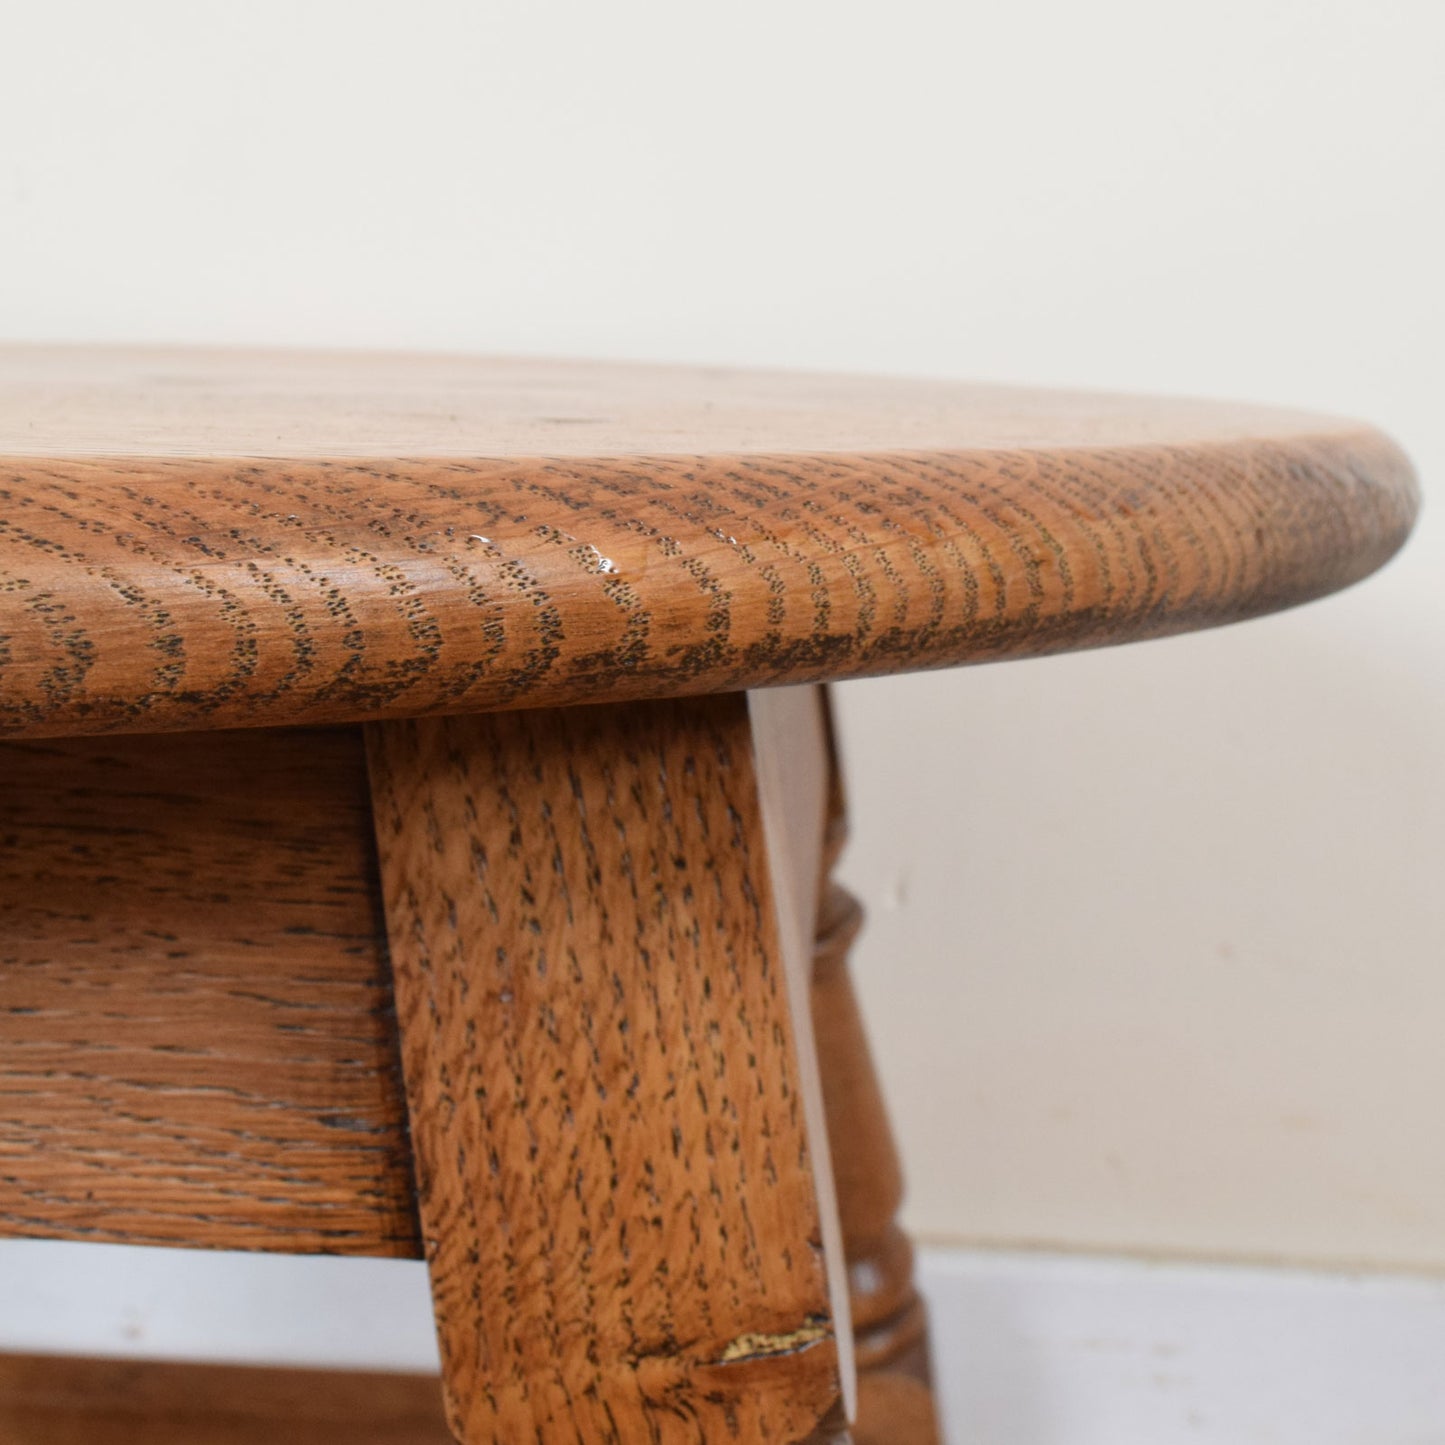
(1156, 956)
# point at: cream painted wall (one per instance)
(1156, 948)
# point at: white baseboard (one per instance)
(1071, 1350)
(1031, 1349)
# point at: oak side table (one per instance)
(330, 922)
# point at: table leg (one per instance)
(608, 1070)
(802, 777)
(889, 1320)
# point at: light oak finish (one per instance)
(617, 1189)
(197, 1041)
(232, 1079)
(574, 1020)
(195, 540)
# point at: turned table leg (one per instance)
(889, 1321)
(802, 778)
(602, 998)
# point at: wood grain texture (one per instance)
(46, 1400)
(213, 540)
(616, 1188)
(197, 1043)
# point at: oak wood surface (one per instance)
(54, 1400)
(197, 1043)
(616, 1186)
(194, 540)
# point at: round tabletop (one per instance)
(198, 539)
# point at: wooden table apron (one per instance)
(418, 811)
